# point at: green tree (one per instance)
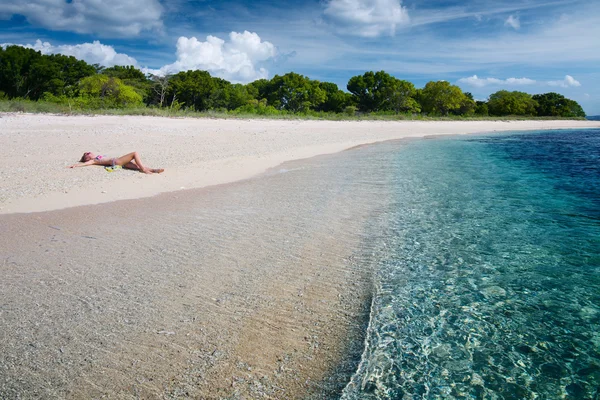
(133, 77)
(467, 105)
(15, 64)
(442, 98)
(219, 96)
(556, 105)
(192, 88)
(398, 96)
(367, 89)
(504, 102)
(258, 89)
(27, 73)
(70, 71)
(43, 76)
(124, 72)
(106, 92)
(227, 96)
(336, 100)
(238, 96)
(573, 109)
(294, 92)
(481, 108)
(364, 88)
(379, 91)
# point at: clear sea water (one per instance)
(487, 269)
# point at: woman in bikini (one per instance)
(129, 161)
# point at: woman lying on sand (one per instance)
(129, 161)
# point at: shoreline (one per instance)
(196, 153)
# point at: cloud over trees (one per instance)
(569, 81)
(92, 53)
(237, 59)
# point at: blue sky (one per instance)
(481, 45)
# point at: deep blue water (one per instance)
(487, 265)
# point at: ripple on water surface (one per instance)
(488, 267)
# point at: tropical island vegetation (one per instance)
(65, 84)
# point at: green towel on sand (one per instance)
(112, 168)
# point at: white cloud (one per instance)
(104, 17)
(474, 80)
(236, 60)
(519, 81)
(513, 22)
(368, 18)
(92, 53)
(569, 81)
(481, 82)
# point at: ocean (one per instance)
(486, 263)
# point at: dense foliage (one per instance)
(442, 98)
(504, 102)
(379, 91)
(557, 105)
(27, 74)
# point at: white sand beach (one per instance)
(35, 149)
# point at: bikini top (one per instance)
(99, 158)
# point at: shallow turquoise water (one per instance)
(487, 266)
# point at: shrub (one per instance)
(101, 91)
(16, 106)
(350, 111)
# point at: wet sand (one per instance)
(246, 290)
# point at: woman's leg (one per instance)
(128, 158)
(131, 165)
(135, 166)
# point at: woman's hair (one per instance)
(84, 156)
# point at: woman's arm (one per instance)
(85, 164)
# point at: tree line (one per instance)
(28, 74)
